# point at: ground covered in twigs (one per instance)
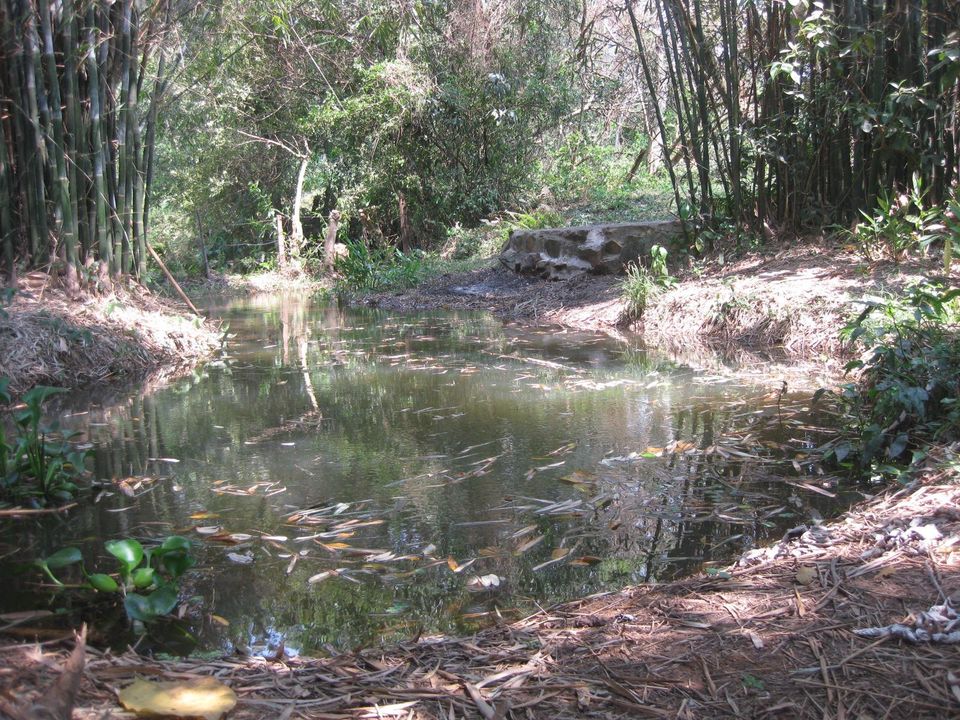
(851, 619)
(49, 338)
(793, 299)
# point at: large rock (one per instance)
(563, 253)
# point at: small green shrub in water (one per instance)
(148, 578)
(909, 390)
(38, 465)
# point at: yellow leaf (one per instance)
(220, 620)
(204, 697)
(559, 553)
(335, 546)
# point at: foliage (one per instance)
(643, 282)
(530, 220)
(903, 224)
(363, 269)
(80, 96)
(846, 101)
(909, 387)
(146, 577)
(38, 464)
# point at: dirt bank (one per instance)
(792, 302)
(789, 631)
(48, 339)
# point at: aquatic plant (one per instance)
(148, 578)
(38, 464)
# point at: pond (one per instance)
(351, 476)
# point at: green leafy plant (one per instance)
(642, 283)
(368, 270)
(637, 288)
(908, 391)
(902, 224)
(147, 577)
(37, 464)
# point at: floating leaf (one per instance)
(240, 559)
(532, 543)
(143, 577)
(64, 557)
(452, 564)
(102, 583)
(128, 552)
(586, 560)
(479, 583)
(173, 543)
(208, 530)
(203, 697)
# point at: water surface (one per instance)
(385, 476)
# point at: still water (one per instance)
(350, 475)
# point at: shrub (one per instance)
(642, 283)
(909, 388)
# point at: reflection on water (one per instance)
(429, 473)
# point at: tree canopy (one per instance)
(249, 123)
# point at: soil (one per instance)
(795, 630)
(50, 338)
(786, 304)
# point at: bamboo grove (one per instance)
(802, 114)
(76, 137)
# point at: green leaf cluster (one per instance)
(38, 463)
(908, 390)
(147, 577)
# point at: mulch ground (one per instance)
(815, 626)
(791, 300)
(49, 338)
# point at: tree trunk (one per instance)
(296, 227)
(330, 240)
(406, 231)
(281, 244)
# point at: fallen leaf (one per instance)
(202, 697)
(806, 574)
(484, 582)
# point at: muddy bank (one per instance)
(817, 625)
(790, 304)
(47, 338)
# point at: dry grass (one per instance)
(772, 637)
(792, 302)
(48, 338)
